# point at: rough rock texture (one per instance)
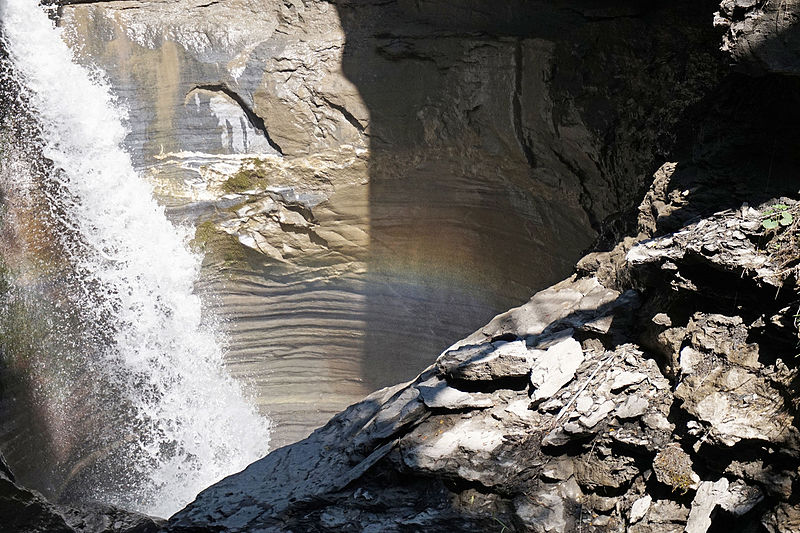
(592, 407)
(373, 179)
(653, 390)
(760, 35)
(671, 405)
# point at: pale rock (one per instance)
(584, 404)
(559, 470)
(634, 406)
(640, 508)
(626, 379)
(709, 495)
(689, 357)
(437, 394)
(486, 362)
(590, 421)
(741, 498)
(555, 367)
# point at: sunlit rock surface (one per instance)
(372, 180)
(562, 415)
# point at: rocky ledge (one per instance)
(654, 390)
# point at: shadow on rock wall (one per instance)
(740, 145)
(501, 137)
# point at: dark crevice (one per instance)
(489, 386)
(256, 121)
(347, 115)
(517, 107)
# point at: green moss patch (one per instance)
(253, 174)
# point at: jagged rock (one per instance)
(662, 515)
(741, 498)
(711, 240)
(594, 472)
(784, 518)
(722, 384)
(633, 407)
(555, 367)
(709, 495)
(549, 510)
(486, 362)
(673, 467)
(428, 455)
(27, 511)
(437, 394)
(640, 508)
(759, 35)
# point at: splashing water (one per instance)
(166, 418)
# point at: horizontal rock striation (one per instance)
(653, 390)
(658, 407)
(391, 175)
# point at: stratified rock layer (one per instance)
(371, 180)
(628, 397)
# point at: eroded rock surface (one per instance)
(371, 180)
(628, 403)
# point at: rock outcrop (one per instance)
(371, 180)
(653, 390)
(630, 397)
(363, 148)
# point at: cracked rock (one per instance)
(486, 362)
(554, 367)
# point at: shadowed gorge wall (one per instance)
(372, 181)
(501, 137)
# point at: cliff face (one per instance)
(654, 390)
(372, 180)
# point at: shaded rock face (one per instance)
(372, 180)
(616, 412)
(653, 390)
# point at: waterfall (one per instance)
(129, 374)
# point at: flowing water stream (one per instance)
(127, 400)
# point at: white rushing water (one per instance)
(188, 419)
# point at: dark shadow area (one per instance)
(502, 134)
(746, 149)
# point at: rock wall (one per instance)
(372, 180)
(653, 390)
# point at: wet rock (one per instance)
(24, 510)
